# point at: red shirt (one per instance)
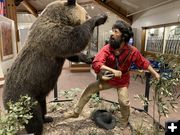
(128, 54)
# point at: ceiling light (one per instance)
(104, 1)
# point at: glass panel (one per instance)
(154, 40)
(172, 40)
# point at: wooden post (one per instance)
(11, 14)
(147, 89)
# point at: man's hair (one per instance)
(124, 28)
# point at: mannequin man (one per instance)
(115, 57)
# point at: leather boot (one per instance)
(70, 114)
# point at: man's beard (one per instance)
(115, 43)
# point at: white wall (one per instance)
(161, 15)
(24, 23)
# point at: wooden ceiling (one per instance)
(124, 8)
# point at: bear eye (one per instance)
(78, 22)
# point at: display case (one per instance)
(154, 40)
(161, 39)
(172, 40)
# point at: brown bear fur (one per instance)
(57, 34)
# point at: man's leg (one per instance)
(124, 103)
(91, 89)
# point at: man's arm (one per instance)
(153, 72)
(117, 73)
(143, 63)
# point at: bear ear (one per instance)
(71, 2)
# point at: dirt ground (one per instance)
(140, 123)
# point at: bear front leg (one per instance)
(81, 57)
(80, 36)
(76, 39)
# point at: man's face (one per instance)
(115, 38)
(116, 34)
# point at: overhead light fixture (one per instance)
(104, 1)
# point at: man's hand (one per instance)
(153, 72)
(111, 72)
(157, 76)
(117, 73)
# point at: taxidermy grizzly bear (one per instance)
(60, 32)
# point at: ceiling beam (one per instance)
(85, 3)
(80, 3)
(29, 7)
(115, 9)
(151, 7)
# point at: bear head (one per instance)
(68, 12)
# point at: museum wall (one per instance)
(161, 15)
(24, 23)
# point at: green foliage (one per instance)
(18, 115)
(140, 130)
(164, 89)
(114, 107)
(143, 99)
(71, 93)
(95, 99)
(93, 132)
(54, 106)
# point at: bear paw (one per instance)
(101, 19)
(47, 119)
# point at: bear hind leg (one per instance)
(35, 124)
